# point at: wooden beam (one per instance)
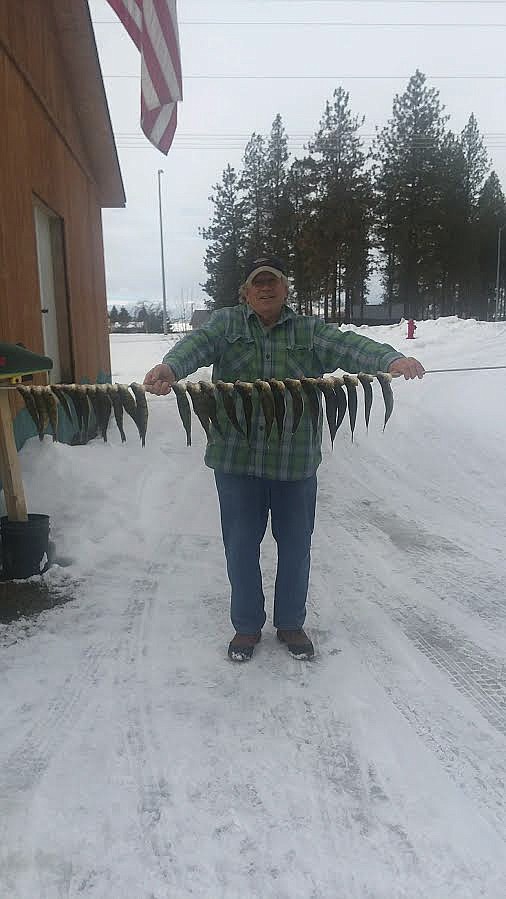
(10, 469)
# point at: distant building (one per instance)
(378, 314)
(129, 328)
(372, 315)
(199, 318)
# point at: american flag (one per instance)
(152, 25)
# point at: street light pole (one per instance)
(498, 278)
(160, 172)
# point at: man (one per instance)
(263, 338)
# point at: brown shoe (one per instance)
(298, 643)
(240, 648)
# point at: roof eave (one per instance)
(77, 41)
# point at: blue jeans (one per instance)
(244, 505)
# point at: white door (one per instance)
(43, 228)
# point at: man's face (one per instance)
(266, 295)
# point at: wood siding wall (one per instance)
(42, 155)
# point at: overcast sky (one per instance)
(276, 37)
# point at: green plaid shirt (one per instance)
(239, 347)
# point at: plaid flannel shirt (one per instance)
(239, 347)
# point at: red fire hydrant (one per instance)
(411, 329)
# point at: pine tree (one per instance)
(124, 317)
(254, 184)
(226, 235)
(358, 255)
(154, 319)
(491, 217)
(476, 162)
(343, 203)
(450, 235)
(151, 315)
(407, 158)
(302, 235)
(277, 211)
(476, 165)
(113, 315)
(141, 314)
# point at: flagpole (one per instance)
(160, 172)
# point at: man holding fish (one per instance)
(262, 344)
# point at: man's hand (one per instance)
(159, 380)
(410, 368)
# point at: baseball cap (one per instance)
(272, 264)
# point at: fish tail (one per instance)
(183, 407)
(142, 411)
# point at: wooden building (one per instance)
(381, 314)
(58, 169)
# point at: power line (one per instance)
(323, 24)
(239, 135)
(294, 146)
(296, 141)
(404, 2)
(240, 147)
(292, 142)
(182, 145)
(372, 2)
(495, 142)
(185, 145)
(382, 2)
(236, 77)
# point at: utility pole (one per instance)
(498, 271)
(183, 309)
(160, 172)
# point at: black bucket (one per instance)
(25, 547)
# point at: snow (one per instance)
(137, 762)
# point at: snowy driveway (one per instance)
(136, 762)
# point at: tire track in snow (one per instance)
(344, 796)
(479, 595)
(472, 584)
(458, 740)
(471, 670)
(472, 757)
(147, 758)
(341, 769)
(153, 789)
(28, 762)
(140, 742)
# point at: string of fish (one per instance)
(340, 393)
(89, 406)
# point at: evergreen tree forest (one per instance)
(148, 316)
(420, 212)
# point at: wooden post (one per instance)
(10, 470)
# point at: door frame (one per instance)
(60, 284)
